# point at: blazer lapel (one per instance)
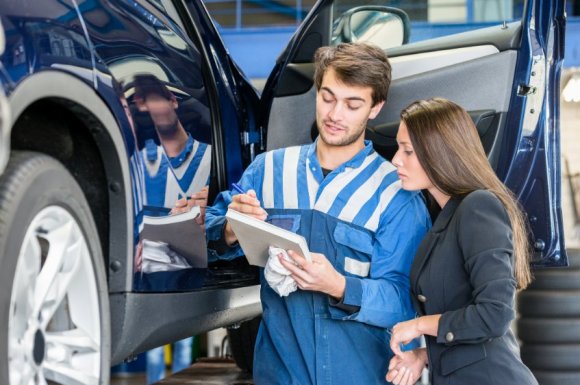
(426, 247)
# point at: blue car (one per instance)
(111, 111)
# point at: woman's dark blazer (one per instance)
(464, 270)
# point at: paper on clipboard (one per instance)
(256, 236)
(181, 232)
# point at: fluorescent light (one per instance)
(571, 92)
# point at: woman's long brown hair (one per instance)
(449, 149)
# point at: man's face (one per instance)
(342, 111)
(162, 113)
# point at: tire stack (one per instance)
(549, 324)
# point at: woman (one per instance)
(469, 266)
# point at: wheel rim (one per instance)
(54, 323)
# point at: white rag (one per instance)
(158, 256)
(277, 275)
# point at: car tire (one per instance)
(552, 357)
(567, 278)
(54, 325)
(549, 303)
(549, 330)
(242, 342)
(546, 377)
(549, 323)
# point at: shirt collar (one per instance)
(180, 158)
(355, 162)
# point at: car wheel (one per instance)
(54, 325)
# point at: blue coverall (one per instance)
(369, 228)
(170, 179)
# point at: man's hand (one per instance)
(316, 275)
(246, 204)
(406, 368)
(196, 199)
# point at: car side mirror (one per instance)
(385, 27)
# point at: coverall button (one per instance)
(449, 337)
(422, 298)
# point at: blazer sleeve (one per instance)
(485, 239)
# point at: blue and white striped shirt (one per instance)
(168, 180)
(292, 179)
(368, 228)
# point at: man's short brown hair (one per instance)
(357, 64)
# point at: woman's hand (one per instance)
(406, 368)
(403, 333)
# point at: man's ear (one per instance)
(140, 103)
(376, 109)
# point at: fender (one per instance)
(107, 134)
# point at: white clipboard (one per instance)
(256, 236)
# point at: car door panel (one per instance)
(474, 83)
(499, 74)
(384, 135)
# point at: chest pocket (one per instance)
(290, 222)
(354, 250)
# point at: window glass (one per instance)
(252, 14)
(435, 18)
(429, 18)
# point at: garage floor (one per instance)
(209, 371)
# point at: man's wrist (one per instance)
(229, 236)
(220, 245)
(340, 288)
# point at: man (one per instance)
(362, 228)
(176, 169)
(181, 165)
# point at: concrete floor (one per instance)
(208, 371)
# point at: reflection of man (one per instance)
(362, 228)
(181, 165)
(178, 168)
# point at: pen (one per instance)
(238, 188)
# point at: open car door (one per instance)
(507, 76)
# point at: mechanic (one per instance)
(181, 165)
(362, 228)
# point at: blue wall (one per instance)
(256, 49)
(572, 54)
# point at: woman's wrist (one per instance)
(428, 325)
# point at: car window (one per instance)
(437, 18)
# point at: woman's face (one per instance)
(410, 171)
